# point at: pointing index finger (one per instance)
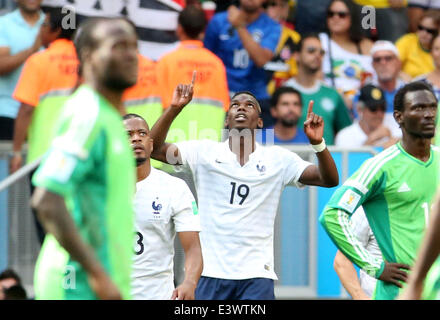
(310, 108)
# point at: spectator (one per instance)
(370, 129)
(390, 16)
(310, 16)
(8, 279)
(283, 65)
(416, 9)
(433, 78)
(47, 79)
(19, 39)
(387, 66)
(347, 63)
(205, 115)
(286, 108)
(245, 39)
(414, 48)
(328, 103)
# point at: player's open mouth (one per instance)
(240, 117)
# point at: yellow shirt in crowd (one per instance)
(375, 3)
(415, 60)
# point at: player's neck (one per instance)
(242, 146)
(418, 147)
(143, 171)
(306, 79)
(112, 96)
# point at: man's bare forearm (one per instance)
(193, 256)
(159, 133)
(348, 276)
(258, 54)
(327, 169)
(21, 125)
(9, 63)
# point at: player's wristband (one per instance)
(319, 147)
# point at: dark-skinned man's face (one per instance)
(419, 114)
(244, 113)
(140, 141)
(115, 61)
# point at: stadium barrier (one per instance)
(303, 252)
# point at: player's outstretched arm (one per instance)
(193, 266)
(163, 151)
(336, 223)
(348, 276)
(326, 173)
(429, 251)
(55, 218)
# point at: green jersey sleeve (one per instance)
(71, 156)
(362, 188)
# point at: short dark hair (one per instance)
(279, 92)
(8, 274)
(193, 21)
(15, 292)
(399, 98)
(305, 37)
(56, 18)
(134, 116)
(248, 93)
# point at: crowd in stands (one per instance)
(327, 50)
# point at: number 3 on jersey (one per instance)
(139, 243)
(242, 192)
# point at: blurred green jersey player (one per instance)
(86, 181)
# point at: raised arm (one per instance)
(193, 266)
(325, 174)
(55, 218)
(167, 152)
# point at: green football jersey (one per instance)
(395, 190)
(90, 164)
